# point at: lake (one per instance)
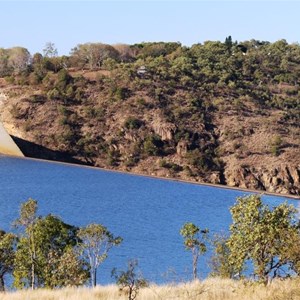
(147, 212)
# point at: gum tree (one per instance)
(46, 253)
(27, 219)
(261, 235)
(7, 255)
(96, 241)
(129, 281)
(194, 239)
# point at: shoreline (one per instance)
(220, 186)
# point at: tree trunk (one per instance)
(93, 277)
(195, 262)
(2, 287)
(32, 275)
(33, 259)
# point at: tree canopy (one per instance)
(262, 235)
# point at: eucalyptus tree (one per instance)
(27, 219)
(4, 70)
(46, 253)
(19, 59)
(194, 241)
(92, 55)
(219, 262)
(50, 50)
(7, 255)
(96, 241)
(129, 281)
(262, 235)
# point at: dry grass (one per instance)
(210, 289)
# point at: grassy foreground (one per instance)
(210, 289)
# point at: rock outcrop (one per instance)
(284, 179)
(249, 146)
(164, 130)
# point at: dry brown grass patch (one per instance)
(210, 289)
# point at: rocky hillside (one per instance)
(223, 113)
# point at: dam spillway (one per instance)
(7, 144)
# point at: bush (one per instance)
(53, 94)
(122, 93)
(133, 123)
(153, 145)
(198, 160)
(169, 165)
(276, 145)
(63, 79)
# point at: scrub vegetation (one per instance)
(45, 252)
(259, 258)
(209, 289)
(218, 112)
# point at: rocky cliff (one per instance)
(142, 126)
(284, 179)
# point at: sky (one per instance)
(32, 24)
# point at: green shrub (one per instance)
(10, 79)
(53, 94)
(153, 145)
(170, 165)
(133, 123)
(63, 79)
(276, 145)
(16, 111)
(198, 160)
(121, 93)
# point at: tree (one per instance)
(219, 262)
(4, 70)
(228, 43)
(194, 241)
(93, 54)
(7, 255)
(128, 281)
(51, 60)
(47, 245)
(66, 269)
(50, 50)
(292, 254)
(261, 235)
(27, 220)
(126, 52)
(19, 59)
(95, 243)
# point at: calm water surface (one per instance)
(148, 213)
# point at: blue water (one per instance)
(148, 213)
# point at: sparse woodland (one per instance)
(218, 112)
(258, 256)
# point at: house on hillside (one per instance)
(141, 71)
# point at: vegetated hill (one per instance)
(225, 113)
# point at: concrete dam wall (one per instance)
(7, 145)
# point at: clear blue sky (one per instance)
(32, 24)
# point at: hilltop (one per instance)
(224, 113)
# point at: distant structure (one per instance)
(142, 71)
(7, 145)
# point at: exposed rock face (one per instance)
(182, 148)
(284, 179)
(3, 97)
(220, 146)
(164, 130)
